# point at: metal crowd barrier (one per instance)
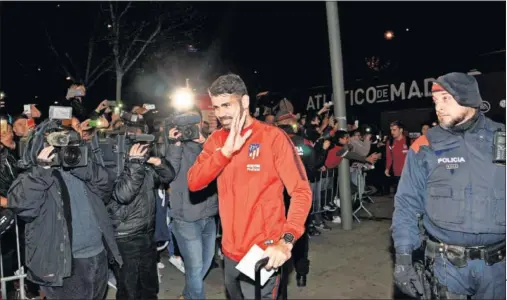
(360, 196)
(325, 191)
(19, 275)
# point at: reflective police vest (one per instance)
(465, 190)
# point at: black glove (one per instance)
(6, 220)
(405, 276)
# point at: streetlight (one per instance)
(388, 35)
(68, 78)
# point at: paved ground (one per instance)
(353, 264)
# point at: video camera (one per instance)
(71, 152)
(131, 118)
(186, 123)
(115, 145)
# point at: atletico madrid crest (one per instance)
(254, 150)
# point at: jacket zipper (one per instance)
(468, 188)
(9, 166)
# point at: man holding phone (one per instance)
(75, 95)
(26, 121)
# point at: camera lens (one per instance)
(71, 155)
(187, 132)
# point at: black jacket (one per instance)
(312, 159)
(8, 170)
(133, 206)
(8, 173)
(38, 197)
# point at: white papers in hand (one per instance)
(247, 264)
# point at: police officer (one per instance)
(312, 160)
(450, 181)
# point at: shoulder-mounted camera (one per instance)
(186, 123)
(115, 144)
(70, 149)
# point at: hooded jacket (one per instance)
(38, 197)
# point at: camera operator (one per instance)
(193, 213)
(133, 214)
(68, 231)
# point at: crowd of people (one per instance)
(96, 213)
(94, 207)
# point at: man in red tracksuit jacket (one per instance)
(396, 152)
(252, 162)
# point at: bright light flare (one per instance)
(182, 99)
(389, 35)
(2, 95)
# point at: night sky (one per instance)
(273, 45)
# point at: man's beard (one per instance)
(453, 122)
(228, 126)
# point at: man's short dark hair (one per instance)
(398, 124)
(340, 134)
(228, 84)
(19, 117)
(353, 132)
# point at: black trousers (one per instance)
(137, 278)
(300, 255)
(88, 280)
(301, 247)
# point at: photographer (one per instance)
(133, 214)
(193, 213)
(68, 231)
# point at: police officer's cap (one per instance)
(461, 86)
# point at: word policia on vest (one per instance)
(449, 160)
